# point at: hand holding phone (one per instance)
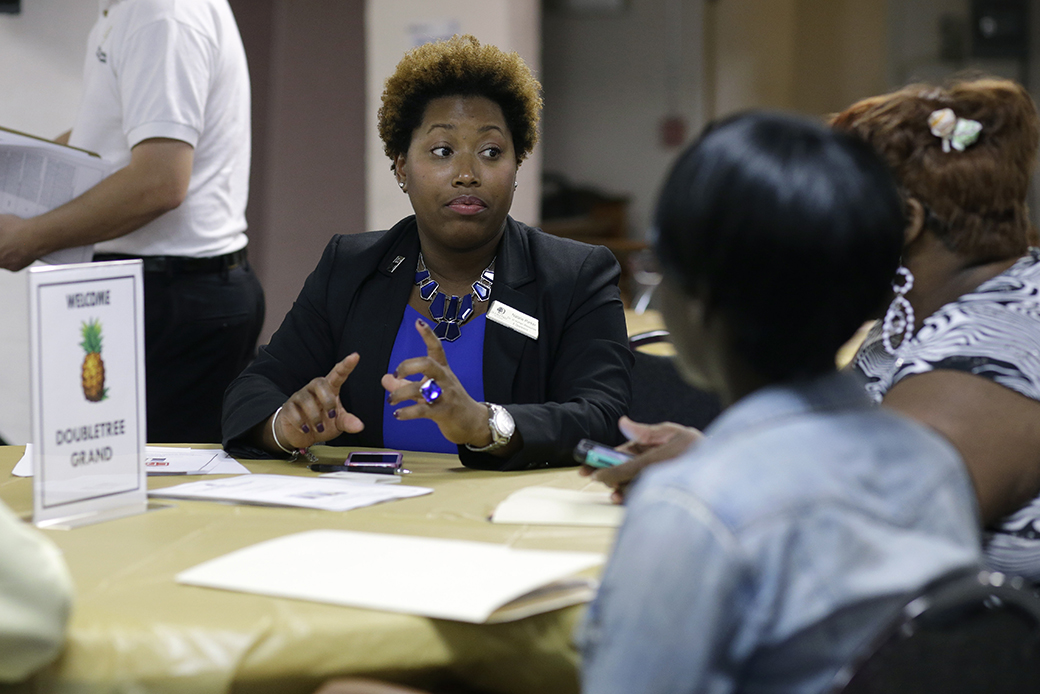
(594, 454)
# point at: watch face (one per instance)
(504, 422)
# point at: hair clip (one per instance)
(960, 133)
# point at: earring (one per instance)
(899, 319)
(515, 184)
(401, 184)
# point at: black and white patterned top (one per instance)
(993, 332)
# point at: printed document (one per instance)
(165, 460)
(446, 579)
(38, 175)
(289, 490)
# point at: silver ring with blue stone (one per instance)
(430, 391)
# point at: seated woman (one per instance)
(959, 349)
(517, 337)
(769, 553)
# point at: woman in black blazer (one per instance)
(457, 119)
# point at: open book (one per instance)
(447, 579)
(38, 175)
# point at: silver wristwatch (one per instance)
(502, 427)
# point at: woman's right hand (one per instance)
(648, 444)
(314, 413)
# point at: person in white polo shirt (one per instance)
(167, 98)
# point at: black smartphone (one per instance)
(598, 455)
(387, 459)
(380, 462)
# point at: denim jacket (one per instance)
(776, 548)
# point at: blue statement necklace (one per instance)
(451, 312)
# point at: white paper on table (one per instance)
(163, 460)
(370, 477)
(550, 506)
(24, 466)
(192, 461)
(445, 579)
(285, 490)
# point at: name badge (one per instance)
(513, 319)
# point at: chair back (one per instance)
(659, 393)
(968, 632)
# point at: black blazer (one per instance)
(573, 382)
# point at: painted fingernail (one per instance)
(320, 427)
(332, 414)
(305, 429)
(421, 322)
(397, 414)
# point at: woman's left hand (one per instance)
(461, 419)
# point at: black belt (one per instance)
(181, 265)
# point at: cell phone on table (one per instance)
(593, 454)
(384, 459)
(384, 462)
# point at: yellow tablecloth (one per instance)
(134, 630)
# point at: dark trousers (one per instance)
(200, 332)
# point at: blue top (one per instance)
(466, 359)
(767, 555)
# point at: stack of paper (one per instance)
(550, 506)
(447, 579)
(171, 460)
(285, 490)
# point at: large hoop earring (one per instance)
(899, 319)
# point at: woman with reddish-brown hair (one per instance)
(959, 348)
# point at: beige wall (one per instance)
(607, 87)
(751, 56)
(840, 53)
(394, 27)
(306, 60)
(811, 56)
(609, 81)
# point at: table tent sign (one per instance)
(86, 346)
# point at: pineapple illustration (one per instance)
(93, 368)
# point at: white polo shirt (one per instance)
(173, 69)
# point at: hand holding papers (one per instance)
(466, 581)
(38, 175)
(283, 490)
